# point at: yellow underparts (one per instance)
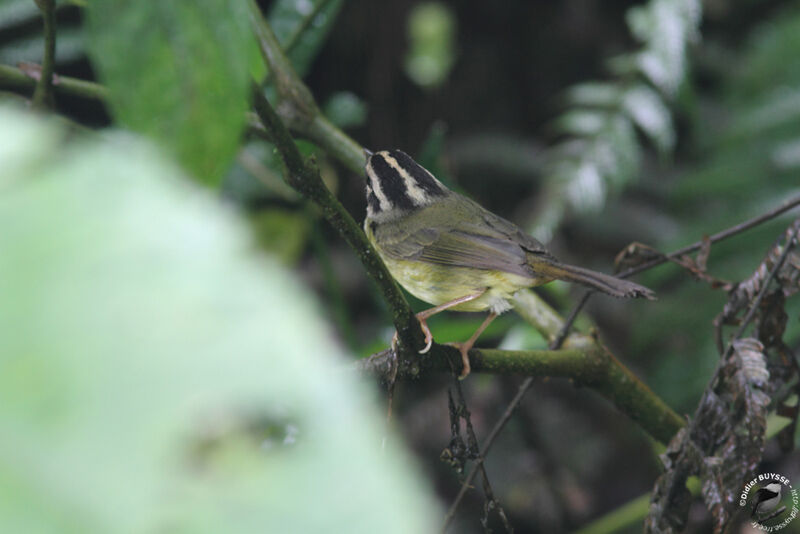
(438, 284)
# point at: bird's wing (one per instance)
(507, 228)
(467, 246)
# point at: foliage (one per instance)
(159, 374)
(194, 94)
(302, 26)
(723, 443)
(600, 152)
(192, 383)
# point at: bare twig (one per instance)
(728, 232)
(696, 268)
(491, 501)
(43, 94)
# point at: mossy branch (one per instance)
(584, 360)
(16, 77)
(297, 107)
(305, 178)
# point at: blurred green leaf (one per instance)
(620, 158)
(601, 152)
(585, 188)
(302, 26)
(179, 73)
(665, 27)
(156, 375)
(645, 107)
(345, 110)
(581, 122)
(283, 232)
(431, 34)
(594, 94)
(256, 175)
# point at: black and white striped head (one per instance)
(397, 183)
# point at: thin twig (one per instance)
(491, 500)
(729, 232)
(16, 77)
(43, 94)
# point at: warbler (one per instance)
(449, 251)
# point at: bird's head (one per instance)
(774, 487)
(398, 184)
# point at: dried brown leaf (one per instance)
(788, 277)
(722, 444)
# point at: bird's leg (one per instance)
(465, 347)
(423, 316)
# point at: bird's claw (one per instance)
(464, 349)
(428, 337)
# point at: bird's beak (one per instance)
(368, 152)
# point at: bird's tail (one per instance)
(610, 285)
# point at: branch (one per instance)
(17, 77)
(304, 177)
(719, 236)
(585, 361)
(297, 107)
(43, 94)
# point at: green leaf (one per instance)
(620, 153)
(431, 35)
(157, 375)
(665, 26)
(646, 109)
(302, 26)
(581, 122)
(345, 110)
(594, 94)
(178, 72)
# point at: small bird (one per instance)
(767, 498)
(449, 251)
